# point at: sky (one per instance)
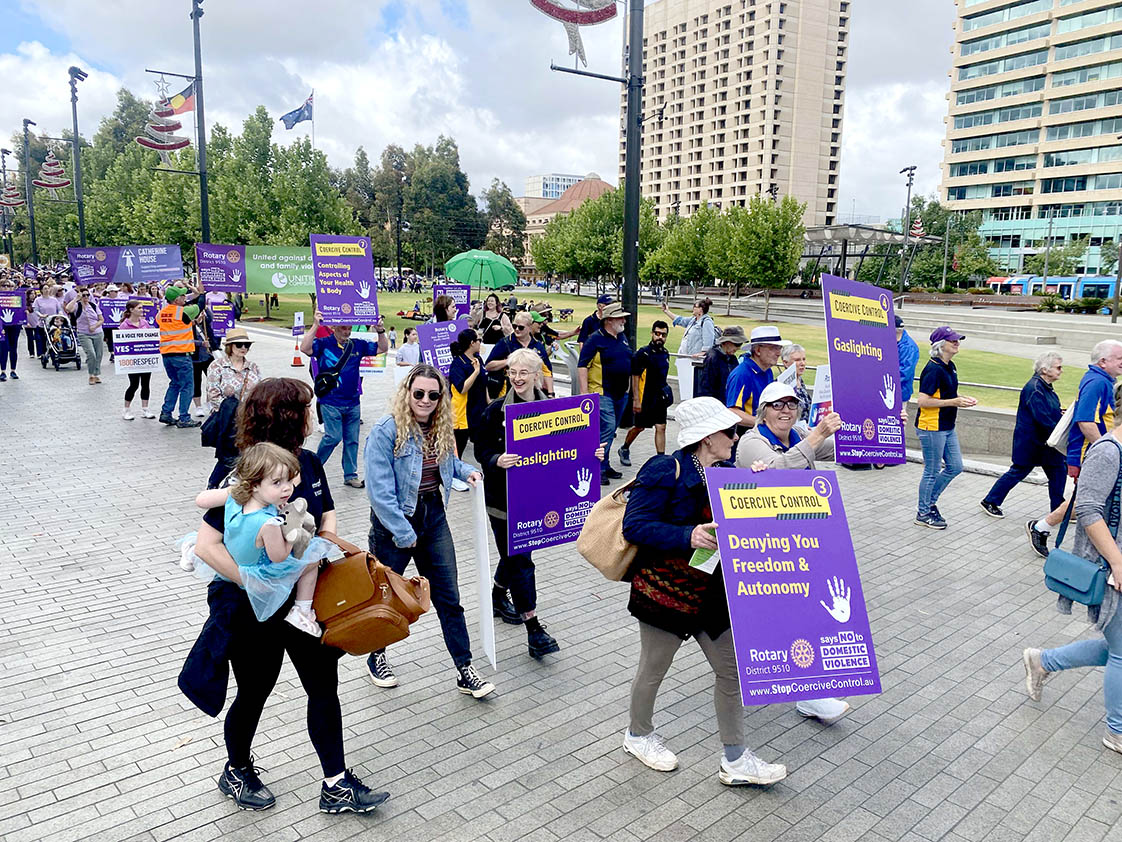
(406, 71)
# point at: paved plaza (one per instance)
(96, 741)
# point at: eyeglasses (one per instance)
(421, 394)
(791, 403)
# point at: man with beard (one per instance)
(650, 396)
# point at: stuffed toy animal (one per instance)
(299, 527)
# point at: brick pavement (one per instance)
(97, 743)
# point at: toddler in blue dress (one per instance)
(254, 536)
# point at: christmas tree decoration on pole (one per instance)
(162, 126)
(11, 197)
(52, 176)
(587, 13)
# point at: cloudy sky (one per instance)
(405, 71)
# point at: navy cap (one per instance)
(899, 322)
(945, 333)
(605, 299)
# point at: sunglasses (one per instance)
(731, 432)
(421, 394)
(520, 327)
(238, 345)
(787, 404)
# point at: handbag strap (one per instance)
(342, 543)
(342, 361)
(1114, 511)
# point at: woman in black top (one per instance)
(469, 385)
(494, 324)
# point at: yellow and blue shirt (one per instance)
(745, 384)
(1095, 404)
(608, 360)
(939, 380)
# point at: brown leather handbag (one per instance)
(363, 605)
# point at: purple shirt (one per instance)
(89, 321)
(48, 305)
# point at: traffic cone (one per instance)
(297, 360)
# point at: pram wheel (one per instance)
(43, 360)
(77, 365)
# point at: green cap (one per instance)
(536, 316)
(173, 292)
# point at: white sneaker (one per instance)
(305, 620)
(651, 751)
(1113, 741)
(749, 769)
(459, 485)
(198, 412)
(127, 415)
(148, 413)
(826, 711)
(187, 556)
(1035, 674)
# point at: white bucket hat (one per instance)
(700, 417)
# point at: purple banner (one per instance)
(13, 307)
(435, 339)
(221, 268)
(799, 624)
(112, 310)
(222, 319)
(460, 293)
(556, 481)
(29, 271)
(125, 264)
(861, 342)
(346, 291)
(149, 307)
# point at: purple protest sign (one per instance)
(556, 482)
(346, 291)
(149, 307)
(125, 264)
(434, 338)
(459, 293)
(799, 625)
(29, 271)
(13, 307)
(112, 310)
(221, 318)
(136, 351)
(861, 342)
(221, 268)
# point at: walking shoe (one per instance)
(14, 376)
(188, 423)
(350, 795)
(381, 673)
(749, 769)
(187, 555)
(127, 415)
(540, 642)
(503, 608)
(992, 510)
(470, 683)
(826, 711)
(650, 751)
(167, 419)
(4, 377)
(604, 481)
(148, 413)
(935, 511)
(459, 485)
(610, 472)
(246, 788)
(1113, 741)
(354, 482)
(1035, 674)
(199, 412)
(1039, 540)
(304, 620)
(625, 457)
(930, 521)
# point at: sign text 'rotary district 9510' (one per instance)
(557, 479)
(346, 291)
(799, 625)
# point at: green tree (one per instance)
(1108, 257)
(682, 256)
(506, 222)
(1062, 260)
(768, 241)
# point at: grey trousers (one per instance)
(656, 652)
(94, 346)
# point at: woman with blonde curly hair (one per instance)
(410, 464)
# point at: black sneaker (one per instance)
(350, 795)
(934, 510)
(470, 683)
(625, 457)
(188, 424)
(540, 642)
(991, 510)
(381, 673)
(610, 472)
(167, 419)
(604, 480)
(504, 609)
(1039, 540)
(245, 787)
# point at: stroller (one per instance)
(62, 344)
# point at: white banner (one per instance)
(136, 351)
(483, 569)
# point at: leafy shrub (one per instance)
(980, 291)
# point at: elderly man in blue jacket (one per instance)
(908, 352)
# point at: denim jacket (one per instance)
(392, 481)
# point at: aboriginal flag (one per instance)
(184, 100)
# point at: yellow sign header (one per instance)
(533, 426)
(788, 501)
(856, 309)
(340, 250)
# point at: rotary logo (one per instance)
(345, 309)
(232, 256)
(551, 519)
(99, 256)
(868, 429)
(802, 653)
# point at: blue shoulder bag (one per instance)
(1079, 579)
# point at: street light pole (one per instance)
(204, 200)
(1048, 250)
(631, 168)
(27, 188)
(1117, 284)
(5, 216)
(911, 173)
(77, 75)
(946, 248)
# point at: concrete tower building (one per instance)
(751, 94)
(1033, 124)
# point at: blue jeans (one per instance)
(611, 415)
(340, 424)
(181, 372)
(940, 450)
(1105, 651)
(435, 557)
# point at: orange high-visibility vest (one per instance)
(175, 336)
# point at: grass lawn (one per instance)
(973, 366)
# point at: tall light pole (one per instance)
(27, 188)
(5, 216)
(1048, 249)
(77, 75)
(911, 173)
(204, 202)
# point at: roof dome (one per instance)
(591, 187)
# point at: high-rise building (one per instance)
(1033, 124)
(742, 98)
(550, 186)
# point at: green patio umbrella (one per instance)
(481, 269)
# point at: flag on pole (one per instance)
(184, 100)
(304, 112)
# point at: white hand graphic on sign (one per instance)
(584, 483)
(889, 393)
(364, 289)
(116, 313)
(101, 270)
(840, 595)
(7, 315)
(236, 276)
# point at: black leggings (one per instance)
(200, 371)
(256, 654)
(142, 380)
(462, 438)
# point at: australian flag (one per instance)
(304, 112)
